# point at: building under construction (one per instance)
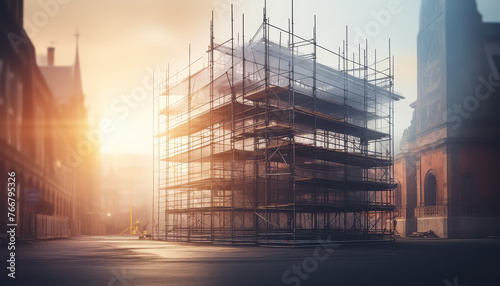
(266, 145)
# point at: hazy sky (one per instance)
(122, 42)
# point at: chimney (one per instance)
(50, 56)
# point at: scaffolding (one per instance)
(265, 145)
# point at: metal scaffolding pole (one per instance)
(251, 150)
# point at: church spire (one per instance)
(77, 77)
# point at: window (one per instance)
(19, 115)
(430, 190)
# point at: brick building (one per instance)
(447, 170)
(35, 141)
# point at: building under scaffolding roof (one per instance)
(268, 146)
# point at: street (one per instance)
(112, 260)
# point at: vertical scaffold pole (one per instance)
(266, 121)
(190, 164)
(315, 132)
(212, 147)
(167, 166)
(154, 162)
(233, 99)
(292, 87)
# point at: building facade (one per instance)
(446, 172)
(82, 156)
(32, 142)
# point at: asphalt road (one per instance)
(116, 261)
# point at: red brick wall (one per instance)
(484, 164)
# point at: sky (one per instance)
(124, 44)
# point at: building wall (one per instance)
(460, 205)
(81, 155)
(455, 133)
(406, 180)
(32, 142)
(475, 181)
(433, 163)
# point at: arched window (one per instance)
(430, 190)
(468, 188)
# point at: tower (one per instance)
(447, 168)
(66, 85)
